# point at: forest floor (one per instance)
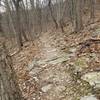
(55, 68)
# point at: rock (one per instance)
(35, 71)
(59, 60)
(91, 97)
(97, 31)
(60, 88)
(32, 64)
(36, 79)
(46, 88)
(93, 78)
(56, 59)
(72, 50)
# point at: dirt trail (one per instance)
(53, 75)
(47, 51)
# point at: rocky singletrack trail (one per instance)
(54, 73)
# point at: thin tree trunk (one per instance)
(92, 15)
(78, 16)
(54, 20)
(9, 89)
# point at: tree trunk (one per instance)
(78, 16)
(92, 9)
(9, 89)
(0, 23)
(53, 18)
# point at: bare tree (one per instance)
(9, 89)
(25, 18)
(19, 32)
(78, 15)
(92, 3)
(0, 19)
(51, 11)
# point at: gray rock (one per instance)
(72, 50)
(97, 31)
(32, 64)
(35, 71)
(93, 78)
(60, 88)
(91, 97)
(46, 88)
